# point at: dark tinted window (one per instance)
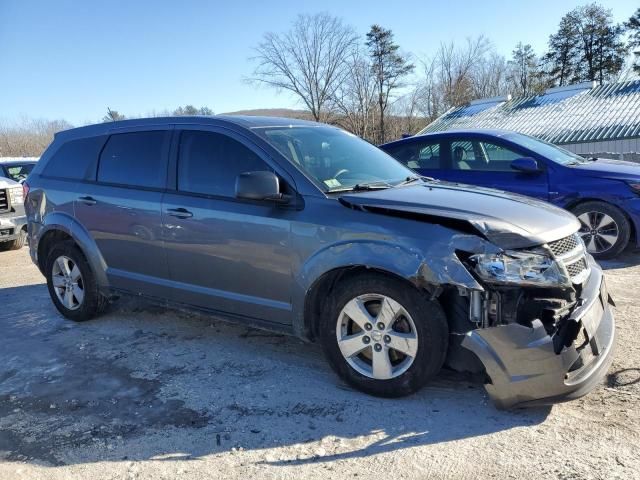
(75, 159)
(210, 162)
(418, 154)
(482, 156)
(136, 159)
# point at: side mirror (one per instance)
(261, 186)
(525, 165)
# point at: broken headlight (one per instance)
(519, 267)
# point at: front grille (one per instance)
(564, 245)
(4, 200)
(570, 253)
(576, 268)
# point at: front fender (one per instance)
(61, 221)
(428, 268)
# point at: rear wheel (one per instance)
(71, 282)
(604, 229)
(383, 336)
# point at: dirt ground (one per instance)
(144, 392)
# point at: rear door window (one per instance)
(135, 159)
(76, 159)
(209, 162)
(482, 156)
(417, 155)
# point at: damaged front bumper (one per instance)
(523, 366)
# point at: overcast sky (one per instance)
(73, 59)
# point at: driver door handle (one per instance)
(88, 200)
(179, 212)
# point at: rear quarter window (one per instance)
(76, 159)
(135, 159)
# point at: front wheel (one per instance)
(604, 229)
(383, 336)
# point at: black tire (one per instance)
(18, 242)
(94, 302)
(618, 216)
(431, 328)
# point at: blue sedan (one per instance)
(603, 194)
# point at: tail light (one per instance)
(25, 191)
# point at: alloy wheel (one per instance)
(67, 282)
(377, 336)
(599, 231)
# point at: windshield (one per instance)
(546, 149)
(335, 159)
(18, 172)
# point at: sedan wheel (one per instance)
(377, 336)
(67, 282)
(599, 231)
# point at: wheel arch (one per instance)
(634, 228)
(429, 270)
(60, 227)
(320, 291)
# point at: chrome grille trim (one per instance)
(570, 253)
(4, 200)
(564, 245)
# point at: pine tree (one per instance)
(633, 27)
(587, 46)
(562, 59)
(389, 68)
(524, 74)
(602, 50)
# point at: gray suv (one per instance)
(306, 229)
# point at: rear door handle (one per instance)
(88, 200)
(180, 213)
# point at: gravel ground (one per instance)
(145, 392)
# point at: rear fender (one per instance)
(60, 221)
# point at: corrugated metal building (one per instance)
(585, 118)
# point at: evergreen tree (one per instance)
(587, 46)
(562, 59)
(633, 26)
(603, 51)
(524, 73)
(389, 69)
(112, 116)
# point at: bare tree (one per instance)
(456, 67)
(354, 98)
(28, 137)
(429, 93)
(407, 115)
(489, 77)
(310, 60)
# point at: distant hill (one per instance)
(274, 112)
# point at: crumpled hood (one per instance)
(7, 182)
(506, 219)
(607, 168)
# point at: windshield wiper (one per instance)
(363, 187)
(414, 178)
